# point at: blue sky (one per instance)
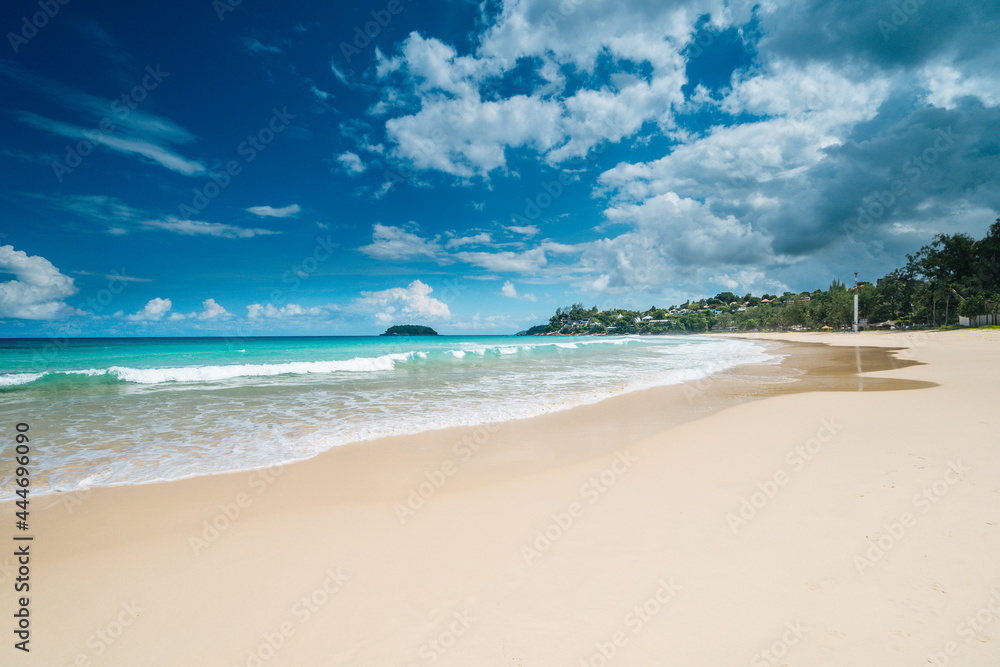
(250, 168)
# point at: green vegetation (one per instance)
(409, 330)
(953, 275)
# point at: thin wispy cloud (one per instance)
(289, 211)
(96, 35)
(254, 46)
(128, 146)
(96, 208)
(257, 311)
(32, 157)
(115, 277)
(337, 72)
(321, 94)
(109, 124)
(198, 228)
(124, 219)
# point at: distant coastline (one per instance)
(952, 281)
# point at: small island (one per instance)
(409, 330)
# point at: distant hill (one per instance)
(537, 330)
(409, 330)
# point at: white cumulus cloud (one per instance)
(462, 127)
(477, 239)
(210, 309)
(526, 230)
(38, 289)
(390, 242)
(351, 163)
(411, 302)
(510, 291)
(153, 311)
(504, 261)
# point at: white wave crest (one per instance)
(215, 373)
(13, 379)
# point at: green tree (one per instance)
(974, 305)
(987, 252)
(694, 322)
(726, 297)
(949, 266)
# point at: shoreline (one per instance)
(785, 370)
(579, 399)
(393, 587)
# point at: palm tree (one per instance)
(950, 290)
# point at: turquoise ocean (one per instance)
(111, 411)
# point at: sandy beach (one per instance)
(788, 514)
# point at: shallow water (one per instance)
(125, 411)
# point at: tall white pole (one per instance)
(855, 302)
